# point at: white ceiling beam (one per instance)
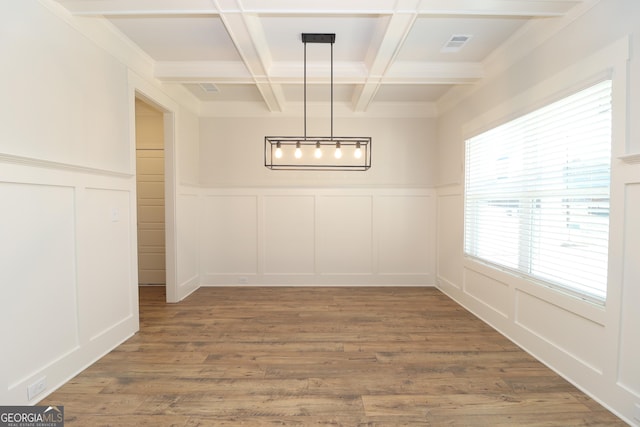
(386, 48)
(318, 72)
(433, 7)
(138, 7)
(242, 19)
(249, 38)
(404, 72)
(324, 7)
(529, 8)
(236, 72)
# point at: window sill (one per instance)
(633, 158)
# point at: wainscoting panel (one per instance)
(405, 227)
(629, 372)
(315, 236)
(345, 235)
(105, 258)
(68, 274)
(187, 248)
(490, 292)
(289, 235)
(450, 236)
(37, 277)
(528, 315)
(229, 233)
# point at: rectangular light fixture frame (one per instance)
(328, 162)
(299, 152)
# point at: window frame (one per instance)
(534, 245)
(609, 62)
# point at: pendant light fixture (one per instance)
(317, 152)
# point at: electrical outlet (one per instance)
(636, 411)
(243, 280)
(36, 388)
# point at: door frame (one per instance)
(139, 88)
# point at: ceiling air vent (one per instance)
(455, 43)
(209, 87)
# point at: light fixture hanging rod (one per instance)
(305, 88)
(317, 38)
(332, 89)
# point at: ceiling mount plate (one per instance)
(318, 38)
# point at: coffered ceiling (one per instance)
(385, 50)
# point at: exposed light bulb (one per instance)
(298, 152)
(318, 153)
(358, 152)
(278, 151)
(338, 153)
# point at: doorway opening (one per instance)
(150, 184)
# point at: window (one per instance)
(537, 193)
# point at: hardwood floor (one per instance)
(319, 356)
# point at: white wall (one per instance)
(314, 236)
(232, 151)
(265, 227)
(596, 348)
(68, 273)
(187, 205)
(54, 87)
(68, 217)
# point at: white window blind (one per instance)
(537, 193)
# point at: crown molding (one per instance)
(256, 109)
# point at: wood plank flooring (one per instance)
(319, 356)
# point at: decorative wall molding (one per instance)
(632, 159)
(49, 164)
(332, 237)
(84, 230)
